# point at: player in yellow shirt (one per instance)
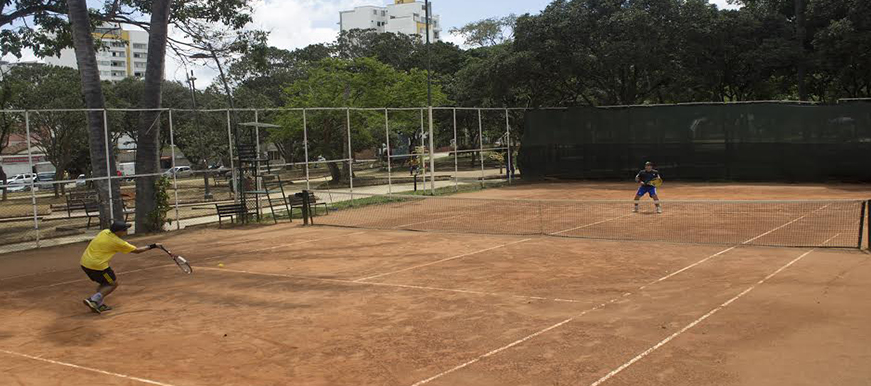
(95, 262)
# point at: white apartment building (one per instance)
(403, 16)
(123, 55)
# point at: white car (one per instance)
(179, 171)
(24, 178)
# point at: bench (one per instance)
(233, 211)
(76, 200)
(92, 210)
(296, 201)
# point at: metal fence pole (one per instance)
(389, 153)
(32, 180)
(422, 159)
(257, 147)
(432, 179)
(174, 175)
(481, 145)
(108, 166)
(456, 155)
(350, 153)
(509, 166)
(235, 187)
(305, 148)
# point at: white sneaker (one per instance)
(658, 210)
(635, 210)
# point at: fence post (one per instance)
(350, 153)
(432, 178)
(108, 166)
(305, 148)
(236, 196)
(257, 147)
(509, 167)
(174, 175)
(32, 180)
(389, 153)
(422, 145)
(481, 145)
(456, 155)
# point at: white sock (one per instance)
(97, 298)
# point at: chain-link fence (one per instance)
(61, 177)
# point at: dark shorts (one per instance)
(646, 189)
(104, 277)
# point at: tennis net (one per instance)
(825, 224)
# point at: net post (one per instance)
(306, 214)
(866, 208)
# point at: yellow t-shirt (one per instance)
(102, 248)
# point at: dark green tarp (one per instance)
(764, 141)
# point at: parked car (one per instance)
(220, 170)
(44, 180)
(179, 171)
(80, 180)
(24, 178)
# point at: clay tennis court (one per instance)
(328, 305)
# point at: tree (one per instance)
(362, 82)
(487, 32)
(61, 135)
(7, 123)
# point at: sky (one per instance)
(298, 23)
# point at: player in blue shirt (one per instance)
(645, 179)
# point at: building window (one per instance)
(383, 13)
(436, 35)
(119, 44)
(375, 12)
(138, 55)
(140, 46)
(138, 74)
(105, 63)
(139, 65)
(118, 64)
(117, 73)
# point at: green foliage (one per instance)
(362, 82)
(157, 218)
(487, 32)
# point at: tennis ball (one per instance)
(220, 265)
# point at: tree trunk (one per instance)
(800, 37)
(335, 172)
(86, 59)
(148, 131)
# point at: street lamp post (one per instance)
(207, 195)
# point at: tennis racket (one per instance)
(180, 261)
(656, 182)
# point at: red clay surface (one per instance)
(331, 306)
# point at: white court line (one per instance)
(441, 261)
(388, 285)
(132, 378)
(204, 259)
(588, 225)
(699, 320)
(524, 339)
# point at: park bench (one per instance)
(296, 201)
(76, 200)
(234, 211)
(92, 210)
